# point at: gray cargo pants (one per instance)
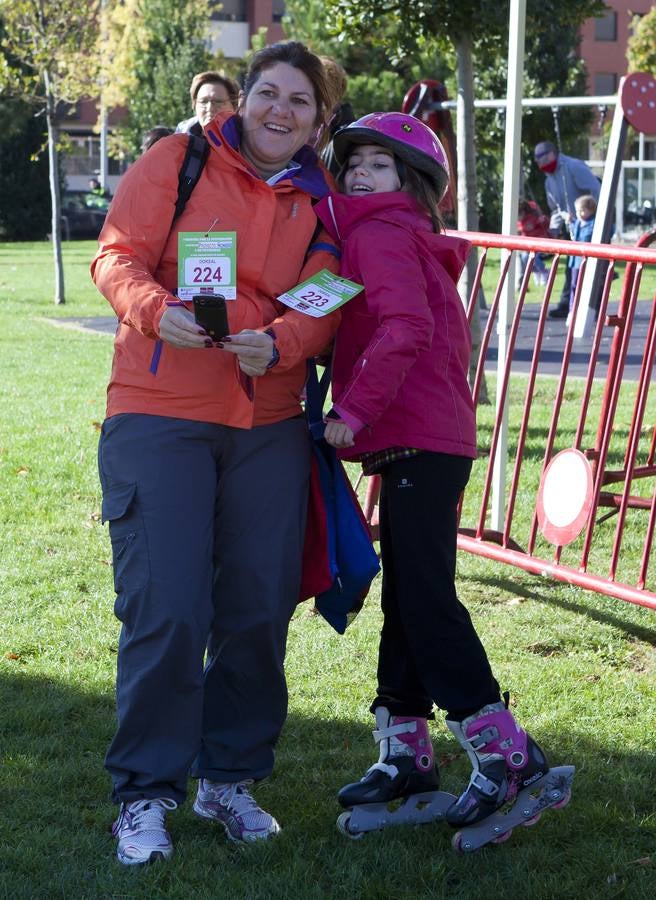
(207, 525)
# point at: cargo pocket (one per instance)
(129, 546)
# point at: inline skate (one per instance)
(402, 787)
(511, 783)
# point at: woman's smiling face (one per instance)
(278, 117)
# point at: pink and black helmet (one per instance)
(405, 136)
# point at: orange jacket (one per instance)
(136, 270)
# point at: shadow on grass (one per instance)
(547, 595)
(55, 842)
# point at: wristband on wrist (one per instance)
(275, 358)
(275, 355)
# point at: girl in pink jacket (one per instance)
(403, 408)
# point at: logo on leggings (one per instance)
(405, 483)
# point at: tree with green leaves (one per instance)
(47, 58)
(472, 33)
(376, 82)
(641, 48)
(24, 183)
(153, 49)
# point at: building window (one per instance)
(83, 157)
(605, 84)
(278, 10)
(231, 11)
(606, 27)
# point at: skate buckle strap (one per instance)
(403, 728)
(484, 737)
(485, 785)
(391, 771)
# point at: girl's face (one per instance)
(370, 170)
(278, 117)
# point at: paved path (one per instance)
(554, 343)
(552, 348)
(102, 324)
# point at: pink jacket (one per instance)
(402, 350)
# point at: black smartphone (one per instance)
(211, 314)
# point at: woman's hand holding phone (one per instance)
(254, 349)
(179, 328)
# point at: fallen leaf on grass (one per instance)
(514, 602)
(592, 677)
(643, 861)
(22, 470)
(97, 426)
(447, 758)
(12, 656)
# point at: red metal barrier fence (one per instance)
(566, 489)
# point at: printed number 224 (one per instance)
(205, 274)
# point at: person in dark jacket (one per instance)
(403, 408)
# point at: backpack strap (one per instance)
(192, 166)
(316, 391)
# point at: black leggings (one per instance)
(429, 650)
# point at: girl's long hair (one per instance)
(422, 188)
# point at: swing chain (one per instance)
(555, 111)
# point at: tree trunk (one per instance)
(467, 189)
(55, 197)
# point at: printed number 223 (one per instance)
(314, 298)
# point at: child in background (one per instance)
(580, 230)
(403, 408)
(534, 223)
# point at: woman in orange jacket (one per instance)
(204, 457)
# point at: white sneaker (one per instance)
(142, 837)
(233, 807)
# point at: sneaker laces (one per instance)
(237, 798)
(146, 816)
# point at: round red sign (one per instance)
(565, 497)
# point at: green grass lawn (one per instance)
(580, 668)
